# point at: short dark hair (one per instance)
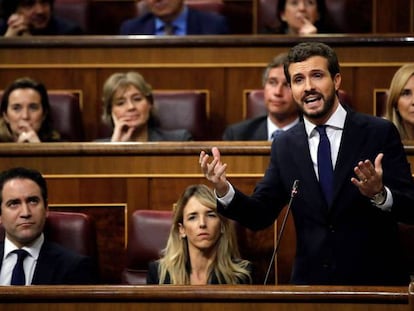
(9, 7)
(23, 173)
(305, 50)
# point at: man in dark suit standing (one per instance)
(173, 17)
(23, 197)
(347, 207)
(282, 111)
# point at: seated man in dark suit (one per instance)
(281, 108)
(33, 17)
(173, 17)
(27, 256)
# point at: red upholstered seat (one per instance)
(74, 231)
(147, 236)
(185, 109)
(66, 115)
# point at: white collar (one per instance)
(271, 127)
(337, 120)
(33, 249)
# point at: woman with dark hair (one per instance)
(299, 17)
(33, 17)
(25, 113)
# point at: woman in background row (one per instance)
(299, 17)
(201, 247)
(400, 102)
(128, 108)
(25, 113)
(33, 17)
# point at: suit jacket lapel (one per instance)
(307, 176)
(261, 132)
(45, 266)
(352, 142)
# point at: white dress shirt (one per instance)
(271, 127)
(29, 263)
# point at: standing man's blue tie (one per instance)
(276, 133)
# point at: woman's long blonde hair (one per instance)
(398, 82)
(175, 262)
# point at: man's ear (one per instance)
(337, 81)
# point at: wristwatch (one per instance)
(380, 197)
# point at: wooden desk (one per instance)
(224, 65)
(212, 297)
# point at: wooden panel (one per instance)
(393, 16)
(110, 222)
(223, 65)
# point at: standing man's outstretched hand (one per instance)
(215, 171)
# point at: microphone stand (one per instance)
(282, 228)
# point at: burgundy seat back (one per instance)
(254, 105)
(74, 231)
(147, 236)
(183, 110)
(66, 115)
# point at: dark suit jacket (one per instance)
(157, 134)
(252, 129)
(350, 242)
(153, 277)
(57, 265)
(198, 23)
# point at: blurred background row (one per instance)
(104, 17)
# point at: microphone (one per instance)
(293, 192)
